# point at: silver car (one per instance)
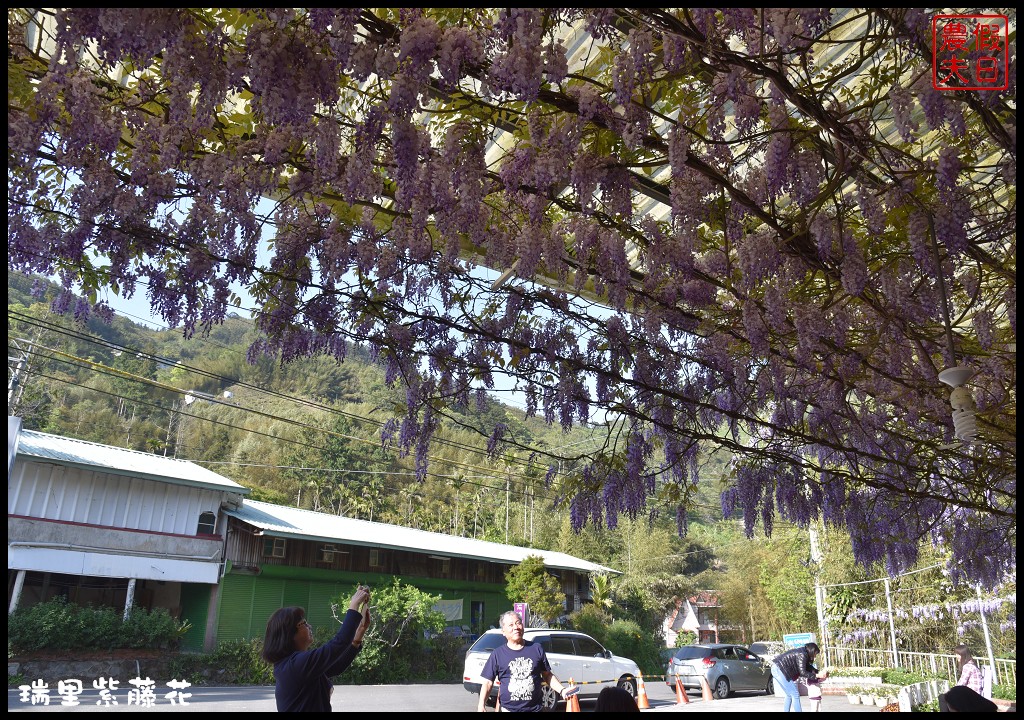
(727, 668)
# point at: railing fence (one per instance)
(944, 665)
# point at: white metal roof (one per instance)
(281, 521)
(120, 461)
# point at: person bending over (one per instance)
(792, 665)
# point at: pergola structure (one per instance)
(779, 232)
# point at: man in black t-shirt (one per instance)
(519, 666)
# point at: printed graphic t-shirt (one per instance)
(519, 672)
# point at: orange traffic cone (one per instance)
(705, 690)
(641, 694)
(681, 698)
(573, 703)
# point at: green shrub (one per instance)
(592, 620)
(396, 648)
(145, 628)
(1004, 692)
(841, 671)
(52, 624)
(235, 662)
(901, 676)
(59, 625)
(626, 638)
(446, 655)
(686, 637)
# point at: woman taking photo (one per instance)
(302, 675)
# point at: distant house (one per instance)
(287, 556)
(109, 526)
(697, 614)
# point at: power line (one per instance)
(242, 428)
(91, 363)
(883, 579)
(322, 469)
(29, 320)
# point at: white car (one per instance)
(572, 655)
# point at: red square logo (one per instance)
(969, 52)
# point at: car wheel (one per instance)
(629, 685)
(549, 698)
(722, 688)
(770, 690)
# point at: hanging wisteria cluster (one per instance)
(860, 636)
(873, 616)
(934, 611)
(737, 229)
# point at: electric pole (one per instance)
(16, 385)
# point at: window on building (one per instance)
(273, 547)
(207, 524)
(446, 567)
(375, 558)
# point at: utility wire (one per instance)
(29, 320)
(86, 363)
(276, 438)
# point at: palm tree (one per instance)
(601, 590)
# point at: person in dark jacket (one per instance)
(791, 666)
(302, 675)
(961, 698)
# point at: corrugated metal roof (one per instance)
(281, 521)
(120, 461)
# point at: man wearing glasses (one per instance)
(519, 666)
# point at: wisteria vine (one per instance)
(717, 228)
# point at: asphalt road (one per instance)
(386, 698)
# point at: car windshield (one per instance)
(487, 642)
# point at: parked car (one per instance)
(768, 649)
(571, 654)
(727, 668)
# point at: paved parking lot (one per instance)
(398, 698)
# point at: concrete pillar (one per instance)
(19, 583)
(130, 599)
